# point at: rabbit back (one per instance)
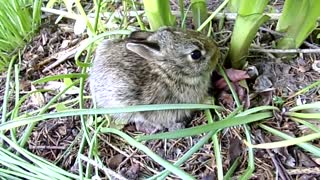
(123, 77)
(113, 80)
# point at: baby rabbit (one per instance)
(169, 66)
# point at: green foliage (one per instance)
(4, 61)
(306, 146)
(277, 100)
(22, 164)
(250, 18)
(298, 20)
(247, 116)
(18, 22)
(233, 5)
(199, 12)
(159, 13)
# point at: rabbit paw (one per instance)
(147, 128)
(176, 126)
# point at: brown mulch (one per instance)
(57, 140)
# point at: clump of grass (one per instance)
(19, 20)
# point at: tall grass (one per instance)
(19, 20)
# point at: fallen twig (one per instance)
(62, 56)
(100, 166)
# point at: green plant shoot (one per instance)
(250, 18)
(298, 20)
(199, 12)
(158, 13)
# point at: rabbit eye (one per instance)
(196, 55)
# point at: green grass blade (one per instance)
(314, 105)
(18, 22)
(304, 115)
(307, 124)
(305, 89)
(6, 95)
(248, 172)
(59, 76)
(186, 156)
(257, 109)
(216, 146)
(232, 169)
(46, 166)
(210, 18)
(306, 146)
(234, 121)
(149, 152)
(23, 140)
(77, 112)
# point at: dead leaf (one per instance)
(115, 161)
(262, 84)
(62, 55)
(37, 98)
(235, 149)
(79, 26)
(316, 65)
(64, 44)
(133, 171)
(62, 130)
(60, 86)
(305, 160)
(234, 75)
(226, 99)
(25, 85)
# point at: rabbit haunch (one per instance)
(169, 66)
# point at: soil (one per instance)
(57, 140)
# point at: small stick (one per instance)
(313, 46)
(62, 56)
(286, 51)
(47, 147)
(61, 13)
(279, 51)
(102, 167)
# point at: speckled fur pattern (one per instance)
(153, 68)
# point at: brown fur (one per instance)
(153, 68)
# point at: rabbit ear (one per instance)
(147, 50)
(139, 35)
